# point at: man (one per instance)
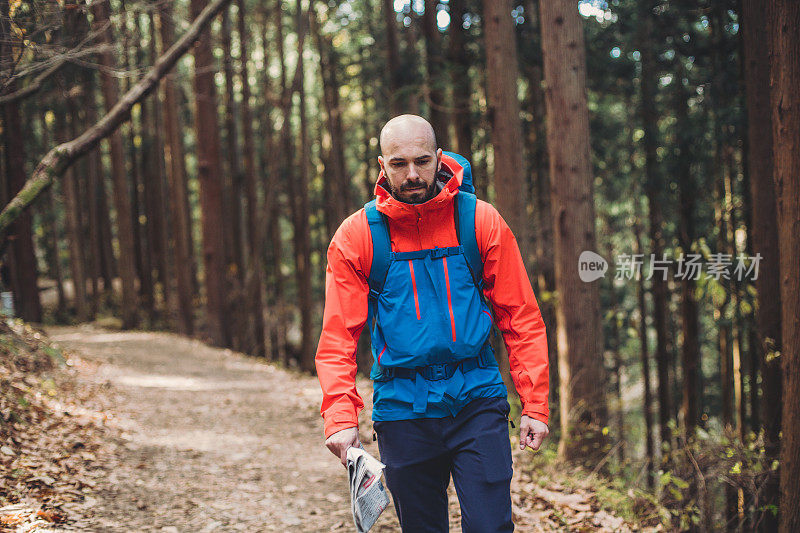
(439, 402)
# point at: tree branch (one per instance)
(34, 86)
(62, 156)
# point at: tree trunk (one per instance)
(152, 121)
(299, 192)
(176, 182)
(255, 336)
(764, 233)
(583, 404)
(783, 21)
(52, 234)
(95, 179)
(509, 160)
(67, 119)
(336, 185)
(396, 103)
(23, 259)
(231, 180)
(653, 188)
(122, 195)
(108, 264)
(75, 235)
(80, 203)
(506, 127)
(436, 72)
(138, 133)
(232, 198)
(459, 73)
(298, 186)
(687, 193)
(209, 177)
(647, 397)
(411, 82)
(277, 166)
(615, 346)
(543, 266)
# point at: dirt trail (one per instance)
(210, 440)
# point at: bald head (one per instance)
(407, 129)
(409, 158)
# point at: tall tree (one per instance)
(764, 233)
(299, 192)
(23, 260)
(335, 182)
(137, 133)
(509, 173)
(74, 205)
(583, 405)
(397, 103)
(506, 128)
(687, 193)
(272, 167)
(71, 121)
(176, 182)
(232, 179)
(97, 210)
(152, 121)
(412, 83)
(435, 75)
(253, 272)
(122, 194)
(209, 170)
(51, 230)
(459, 73)
(783, 21)
(653, 187)
(644, 358)
(539, 184)
(297, 182)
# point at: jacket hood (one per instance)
(450, 175)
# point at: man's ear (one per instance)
(380, 162)
(438, 159)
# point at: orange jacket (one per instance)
(417, 227)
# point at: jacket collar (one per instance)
(451, 174)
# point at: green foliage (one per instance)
(702, 472)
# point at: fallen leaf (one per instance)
(11, 519)
(50, 516)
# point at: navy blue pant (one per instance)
(473, 447)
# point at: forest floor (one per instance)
(178, 436)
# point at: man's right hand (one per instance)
(339, 442)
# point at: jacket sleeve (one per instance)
(507, 287)
(346, 295)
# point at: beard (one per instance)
(410, 193)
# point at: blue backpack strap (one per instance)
(381, 248)
(465, 226)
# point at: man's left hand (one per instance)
(531, 432)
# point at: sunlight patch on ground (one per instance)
(152, 381)
(204, 441)
(126, 336)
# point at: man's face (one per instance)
(410, 163)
